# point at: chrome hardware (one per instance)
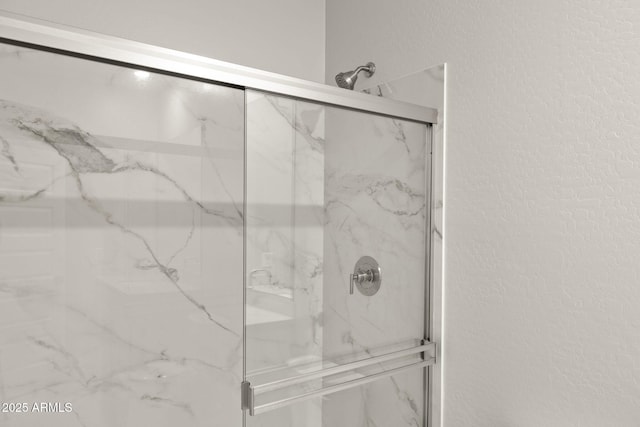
(426, 356)
(246, 396)
(367, 276)
(347, 80)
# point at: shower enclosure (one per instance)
(178, 237)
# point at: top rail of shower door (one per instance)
(68, 40)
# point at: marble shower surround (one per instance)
(284, 244)
(427, 88)
(375, 191)
(120, 244)
(370, 171)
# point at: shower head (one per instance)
(347, 80)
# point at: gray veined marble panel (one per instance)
(120, 265)
(324, 187)
(285, 217)
(375, 205)
(427, 88)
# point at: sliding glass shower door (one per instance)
(174, 251)
(121, 241)
(327, 187)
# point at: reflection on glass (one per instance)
(284, 239)
(120, 244)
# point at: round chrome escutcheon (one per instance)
(370, 274)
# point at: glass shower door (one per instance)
(284, 245)
(121, 243)
(325, 187)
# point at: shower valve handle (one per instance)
(366, 276)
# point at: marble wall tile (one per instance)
(427, 88)
(375, 192)
(325, 186)
(285, 220)
(396, 401)
(120, 244)
(285, 176)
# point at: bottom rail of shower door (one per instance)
(299, 387)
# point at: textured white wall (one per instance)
(542, 291)
(283, 36)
